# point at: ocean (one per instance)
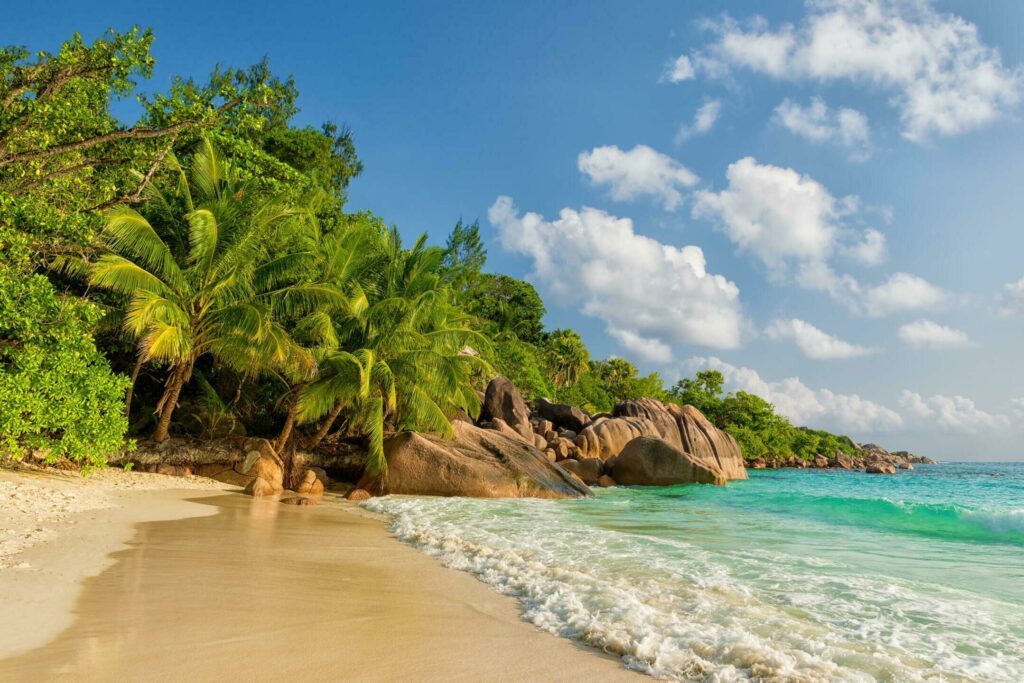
(794, 575)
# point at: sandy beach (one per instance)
(130, 576)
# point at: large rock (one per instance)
(879, 467)
(502, 401)
(842, 461)
(608, 436)
(566, 417)
(707, 443)
(587, 469)
(655, 411)
(480, 463)
(651, 461)
(269, 471)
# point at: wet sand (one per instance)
(262, 591)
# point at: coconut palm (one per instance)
(190, 264)
(567, 355)
(410, 371)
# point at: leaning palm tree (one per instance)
(189, 263)
(409, 371)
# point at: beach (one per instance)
(166, 578)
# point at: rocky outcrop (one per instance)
(651, 461)
(915, 459)
(879, 467)
(268, 470)
(502, 401)
(656, 412)
(589, 470)
(708, 443)
(608, 436)
(477, 462)
(566, 417)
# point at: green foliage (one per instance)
(702, 392)
(567, 357)
(508, 307)
(753, 422)
(522, 363)
(464, 257)
(194, 274)
(59, 395)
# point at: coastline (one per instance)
(268, 590)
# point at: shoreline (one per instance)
(313, 590)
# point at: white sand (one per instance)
(56, 529)
(208, 586)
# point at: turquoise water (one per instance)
(816, 575)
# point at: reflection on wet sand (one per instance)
(262, 590)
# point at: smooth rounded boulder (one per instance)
(479, 463)
(650, 461)
(607, 437)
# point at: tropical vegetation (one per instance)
(195, 272)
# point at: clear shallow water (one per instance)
(793, 575)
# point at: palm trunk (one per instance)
(320, 433)
(289, 426)
(169, 401)
(131, 387)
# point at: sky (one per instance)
(821, 199)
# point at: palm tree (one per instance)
(568, 356)
(190, 266)
(409, 371)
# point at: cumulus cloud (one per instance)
(651, 296)
(774, 213)
(813, 342)
(703, 121)
(641, 171)
(952, 413)
(843, 127)
(1013, 298)
(678, 70)
(903, 292)
(870, 250)
(925, 334)
(941, 77)
(820, 408)
(794, 226)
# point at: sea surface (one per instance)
(794, 575)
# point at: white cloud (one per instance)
(651, 296)
(903, 292)
(1017, 406)
(931, 335)
(813, 342)
(846, 128)
(774, 213)
(870, 250)
(703, 121)
(952, 413)
(781, 216)
(641, 171)
(1013, 298)
(820, 408)
(943, 79)
(678, 70)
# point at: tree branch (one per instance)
(137, 133)
(136, 196)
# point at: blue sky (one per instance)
(837, 230)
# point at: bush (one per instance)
(57, 392)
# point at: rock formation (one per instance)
(566, 417)
(502, 401)
(608, 436)
(652, 461)
(480, 463)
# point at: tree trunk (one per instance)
(320, 433)
(169, 401)
(289, 421)
(131, 387)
